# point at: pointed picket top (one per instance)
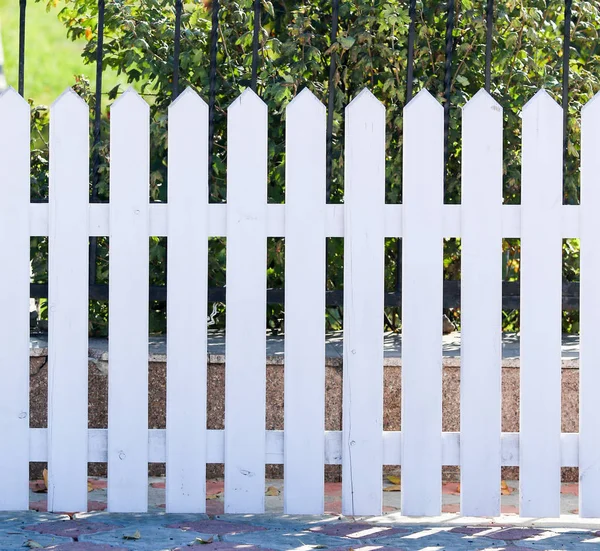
(11, 98)
(542, 100)
(247, 98)
(67, 98)
(364, 97)
(484, 99)
(423, 98)
(592, 106)
(303, 100)
(128, 100)
(188, 99)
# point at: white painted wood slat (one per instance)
(481, 307)
(304, 306)
(68, 250)
(541, 303)
(187, 254)
(589, 362)
(128, 306)
(14, 302)
(422, 262)
(364, 201)
(245, 370)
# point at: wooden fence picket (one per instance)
(481, 307)
(245, 368)
(589, 354)
(128, 305)
(305, 222)
(68, 250)
(364, 204)
(14, 302)
(541, 305)
(304, 306)
(422, 262)
(187, 254)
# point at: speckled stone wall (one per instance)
(98, 405)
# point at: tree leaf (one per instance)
(135, 536)
(346, 42)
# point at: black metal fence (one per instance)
(275, 296)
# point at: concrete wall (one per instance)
(98, 402)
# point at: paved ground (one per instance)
(157, 531)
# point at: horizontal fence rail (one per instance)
(362, 447)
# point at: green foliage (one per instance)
(371, 50)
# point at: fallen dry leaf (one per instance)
(201, 541)
(272, 491)
(394, 488)
(32, 544)
(393, 479)
(215, 496)
(45, 476)
(505, 489)
(90, 486)
(135, 536)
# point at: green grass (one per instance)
(51, 59)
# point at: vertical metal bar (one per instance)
(255, 38)
(565, 90)
(448, 79)
(488, 45)
(96, 137)
(176, 47)
(98, 101)
(22, 10)
(331, 96)
(412, 13)
(212, 87)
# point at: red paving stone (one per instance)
(42, 506)
(70, 528)
(366, 548)
(225, 546)
(84, 546)
(333, 489)
(97, 483)
(514, 534)
(509, 509)
(217, 527)
(212, 486)
(468, 530)
(37, 486)
(570, 489)
(451, 508)
(358, 530)
(451, 488)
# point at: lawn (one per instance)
(51, 59)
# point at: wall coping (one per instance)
(157, 349)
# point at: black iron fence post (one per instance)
(97, 134)
(331, 99)
(176, 47)
(488, 44)
(22, 13)
(565, 94)
(212, 88)
(255, 41)
(448, 80)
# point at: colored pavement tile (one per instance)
(357, 530)
(216, 527)
(70, 528)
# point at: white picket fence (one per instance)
(364, 220)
